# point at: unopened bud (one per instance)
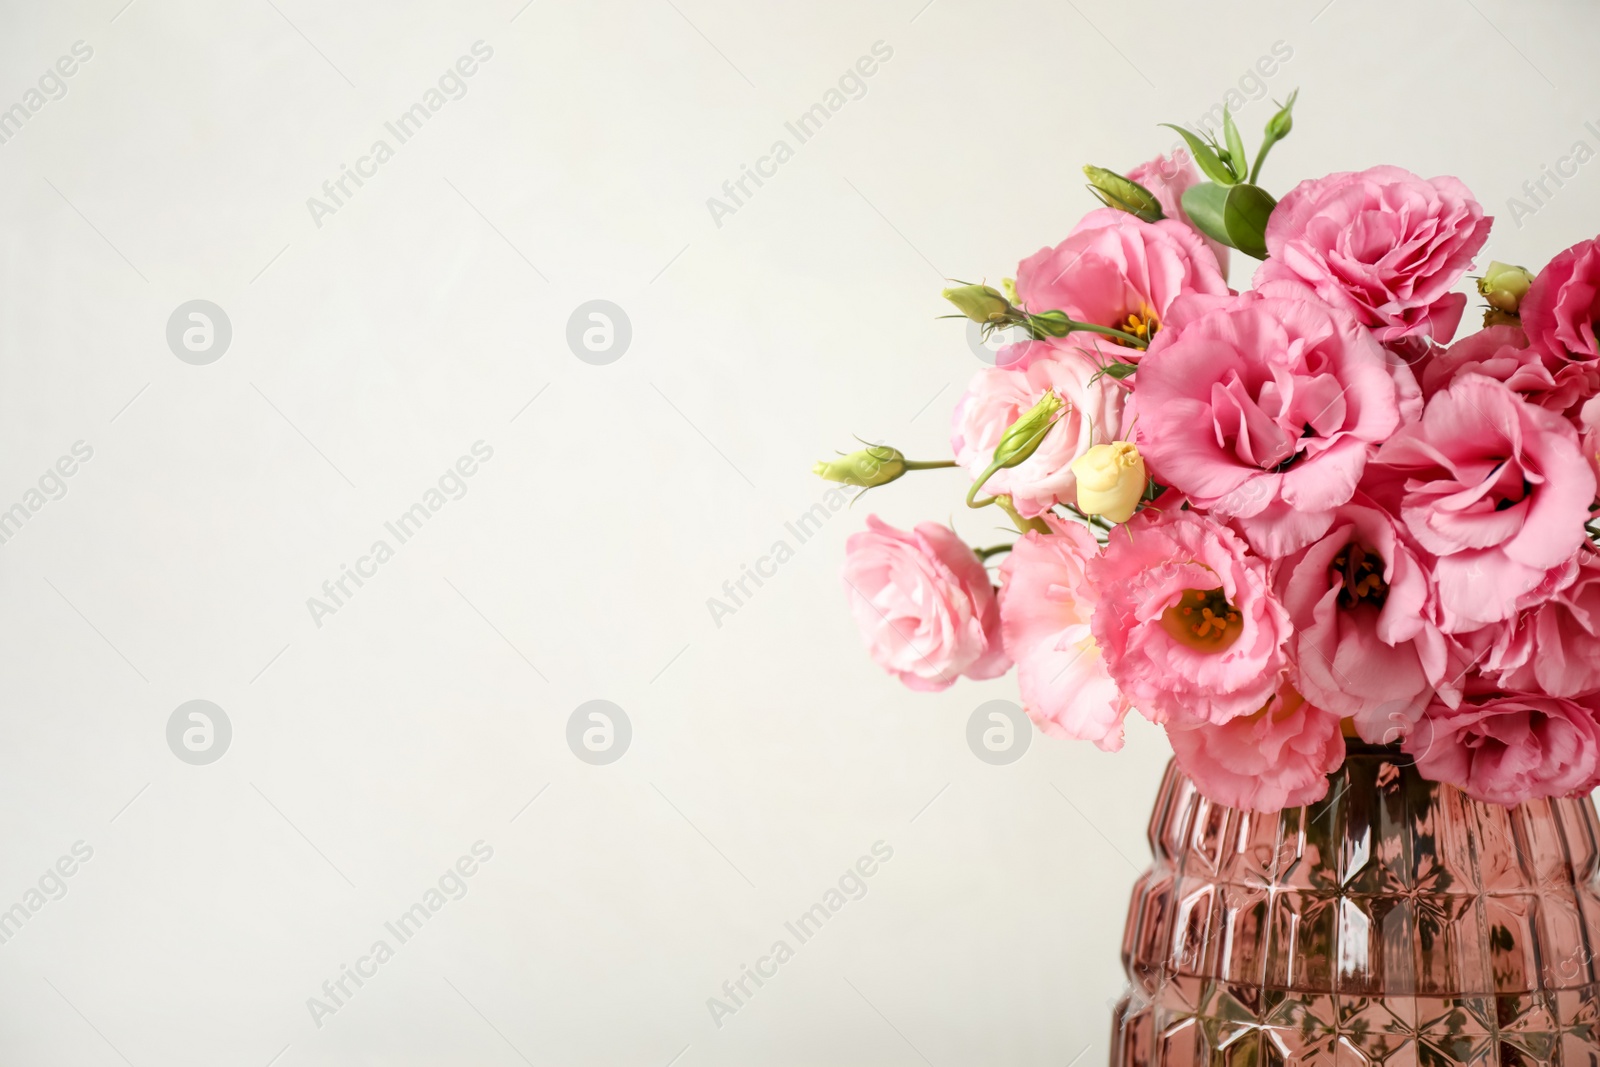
(979, 303)
(1124, 194)
(1282, 121)
(1111, 480)
(1022, 437)
(867, 467)
(1504, 286)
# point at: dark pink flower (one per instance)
(1382, 243)
(1553, 647)
(1563, 304)
(1279, 757)
(1493, 487)
(1266, 411)
(1187, 620)
(1361, 602)
(1168, 178)
(1504, 354)
(1118, 271)
(1507, 748)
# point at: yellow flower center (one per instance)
(1142, 324)
(1203, 620)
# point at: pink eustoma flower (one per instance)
(1364, 645)
(1046, 603)
(924, 604)
(1563, 304)
(1187, 620)
(1551, 648)
(1267, 411)
(1508, 748)
(998, 395)
(1505, 354)
(1495, 488)
(1279, 757)
(1118, 271)
(1168, 178)
(1382, 244)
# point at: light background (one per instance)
(430, 312)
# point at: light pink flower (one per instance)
(1046, 602)
(1279, 757)
(1492, 486)
(924, 604)
(1187, 620)
(1168, 178)
(1267, 411)
(1383, 244)
(1563, 304)
(1364, 645)
(1507, 748)
(1116, 270)
(998, 395)
(1504, 354)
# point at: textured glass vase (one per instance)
(1396, 922)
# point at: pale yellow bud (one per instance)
(1111, 480)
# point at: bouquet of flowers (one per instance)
(1273, 519)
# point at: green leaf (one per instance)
(1118, 371)
(1236, 156)
(1207, 159)
(1244, 216)
(1204, 204)
(1235, 215)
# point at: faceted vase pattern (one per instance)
(1395, 922)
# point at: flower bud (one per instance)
(979, 303)
(1022, 437)
(867, 467)
(1504, 286)
(1111, 480)
(1282, 121)
(1124, 194)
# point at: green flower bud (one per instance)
(1504, 286)
(1023, 436)
(1282, 122)
(867, 467)
(979, 303)
(1123, 194)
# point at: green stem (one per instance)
(992, 550)
(1261, 157)
(929, 465)
(1135, 341)
(1057, 324)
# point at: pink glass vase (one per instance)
(1396, 922)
